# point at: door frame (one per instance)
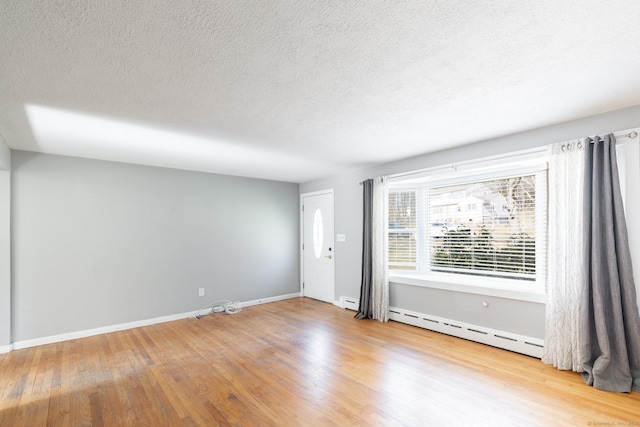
(311, 194)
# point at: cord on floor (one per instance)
(220, 306)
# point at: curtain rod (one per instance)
(631, 135)
(362, 182)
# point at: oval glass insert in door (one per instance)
(318, 233)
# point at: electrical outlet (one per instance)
(201, 292)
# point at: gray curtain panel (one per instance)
(364, 311)
(608, 321)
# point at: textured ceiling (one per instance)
(294, 90)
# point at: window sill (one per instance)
(447, 283)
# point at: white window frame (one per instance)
(528, 162)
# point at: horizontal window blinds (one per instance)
(403, 229)
(485, 228)
(491, 227)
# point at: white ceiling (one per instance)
(295, 90)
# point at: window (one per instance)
(318, 233)
(403, 230)
(483, 224)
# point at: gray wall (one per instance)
(5, 155)
(514, 316)
(5, 245)
(97, 243)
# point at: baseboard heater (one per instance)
(350, 303)
(501, 339)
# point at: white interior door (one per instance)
(318, 254)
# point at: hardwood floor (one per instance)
(289, 363)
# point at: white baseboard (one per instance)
(102, 330)
(506, 340)
(130, 325)
(6, 348)
(270, 299)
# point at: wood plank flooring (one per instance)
(297, 362)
